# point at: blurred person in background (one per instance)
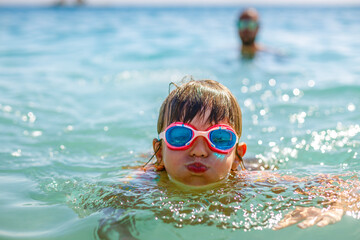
(248, 27)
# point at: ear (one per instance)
(158, 150)
(240, 152)
(241, 149)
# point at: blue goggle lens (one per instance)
(222, 139)
(178, 136)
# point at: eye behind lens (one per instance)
(223, 139)
(178, 136)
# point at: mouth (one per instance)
(197, 167)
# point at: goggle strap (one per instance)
(242, 165)
(161, 135)
(153, 154)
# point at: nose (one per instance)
(199, 148)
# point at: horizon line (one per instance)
(279, 4)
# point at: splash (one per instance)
(250, 201)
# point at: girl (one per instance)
(199, 129)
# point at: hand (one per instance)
(311, 216)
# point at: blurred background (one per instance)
(81, 83)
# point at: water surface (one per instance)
(80, 90)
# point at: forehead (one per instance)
(249, 15)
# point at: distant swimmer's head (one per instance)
(199, 128)
(248, 26)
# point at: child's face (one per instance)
(198, 165)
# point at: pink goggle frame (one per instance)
(196, 133)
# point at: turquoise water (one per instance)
(80, 91)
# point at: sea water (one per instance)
(80, 90)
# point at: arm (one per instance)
(310, 216)
(339, 195)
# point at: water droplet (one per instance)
(69, 128)
(7, 108)
(244, 89)
(258, 86)
(285, 97)
(272, 82)
(36, 133)
(245, 81)
(16, 153)
(311, 83)
(248, 102)
(296, 92)
(32, 117)
(351, 107)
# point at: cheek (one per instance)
(167, 154)
(220, 157)
(171, 157)
(223, 161)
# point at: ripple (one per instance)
(256, 202)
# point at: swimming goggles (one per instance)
(180, 136)
(247, 24)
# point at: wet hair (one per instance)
(195, 98)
